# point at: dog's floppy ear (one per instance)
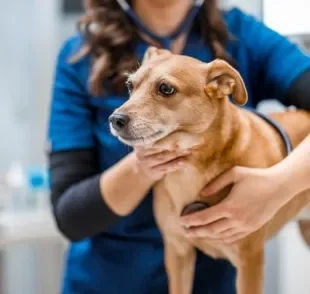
(224, 80)
(152, 52)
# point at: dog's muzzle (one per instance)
(119, 121)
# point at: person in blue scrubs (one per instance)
(101, 189)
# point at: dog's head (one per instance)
(174, 94)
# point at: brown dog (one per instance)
(178, 102)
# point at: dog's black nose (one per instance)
(119, 121)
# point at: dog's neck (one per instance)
(222, 147)
(222, 142)
(213, 152)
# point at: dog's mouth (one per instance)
(146, 140)
(142, 134)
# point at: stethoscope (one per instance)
(166, 41)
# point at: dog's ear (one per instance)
(152, 52)
(223, 80)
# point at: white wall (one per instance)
(295, 262)
(16, 81)
(29, 42)
(250, 6)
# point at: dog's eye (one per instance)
(166, 90)
(129, 86)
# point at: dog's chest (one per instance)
(184, 186)
(171, 195)
(168, 221)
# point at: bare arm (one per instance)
(124, 185)
(296, 167)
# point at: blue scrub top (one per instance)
(128, 258)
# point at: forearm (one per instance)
(296, 167)
(123, 186)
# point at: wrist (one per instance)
(123, 185)
(138, 171)
(288, 179)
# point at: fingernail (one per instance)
(185, 152)
(206, 192)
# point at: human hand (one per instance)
(155, 164)
(256, 196)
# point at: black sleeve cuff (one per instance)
(299, 92)
(78, 206)
(81, 211)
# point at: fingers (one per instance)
(157, 159)
(170, 166)
(217, 231)
(157, 164)
(146, 151)
(206, 216)
(229, 177)
(229, 233)
(233, 238)
(212, 231)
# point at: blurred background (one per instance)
(31, 250)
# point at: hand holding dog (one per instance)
(257, 194)
(155, 164)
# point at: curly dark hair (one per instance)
(110, 37)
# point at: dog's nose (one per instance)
(119, 121)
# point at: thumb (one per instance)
(222, 181)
